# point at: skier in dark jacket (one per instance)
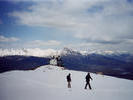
(69, 80)
(88, 77)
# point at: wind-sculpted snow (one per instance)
(49, 83)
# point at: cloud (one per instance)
(105, 41)
(30, 44)
(78, 15)
(8, 39)
(44, 43)
(65, 14)
(95, 21)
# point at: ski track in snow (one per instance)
(49, 83)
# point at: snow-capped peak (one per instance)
(51, 52)
(27, 52)
(70, 51)
(106, 52)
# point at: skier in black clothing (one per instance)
(69, 80)
(88, 77)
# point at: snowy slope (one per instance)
(49, 83)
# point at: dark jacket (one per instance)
(88, 77)
(68, 78)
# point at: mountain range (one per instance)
(118, 64)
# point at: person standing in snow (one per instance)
(88, 77)
(69, 80)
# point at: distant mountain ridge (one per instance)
(27, 52)
(118, 64)
(113, 64)
(49, 52)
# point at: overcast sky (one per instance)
(79, 24)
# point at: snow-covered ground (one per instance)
(49, 83)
